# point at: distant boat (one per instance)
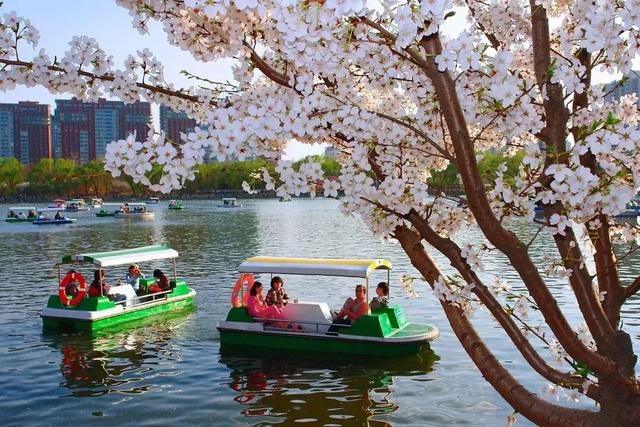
(75, 205)
(134, 210)
(96, 202)
(176, 205)
(48, 221)
(17, 214)
(152, 201)
(57, 203)
(229, 202)
(283, 199)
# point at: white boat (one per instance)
(229, 202)
(152, 201)
(134, 211)
(57, 203)
(96, 202)
(75, 205)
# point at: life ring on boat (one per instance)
(245, 278)
(82, 289)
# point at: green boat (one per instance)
(385, 332)
(17, 214)
(176, 205)
(79, 312)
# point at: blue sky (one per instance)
(59, 20)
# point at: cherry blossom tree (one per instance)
(401, 92)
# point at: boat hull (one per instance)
(144, 215)
(299, 341)
(62, 319)
(19, 220)
(383, 333)
(54, 221)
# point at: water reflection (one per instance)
(323, 390)
(124, 361)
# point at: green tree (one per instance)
(12, 173)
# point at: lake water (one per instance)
(169, 369)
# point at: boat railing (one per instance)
(144, 299)
(317, 327)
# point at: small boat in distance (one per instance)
(96, 202)
(108, 209)
(76, 205)
(58, 203)
(71, 309)
(176, 205)
(152, 201)
(384, 332)
(58, 219)
(19, 214)
(133, 211)
(229, 202)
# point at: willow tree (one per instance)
(400, 92)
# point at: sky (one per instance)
(59, 20)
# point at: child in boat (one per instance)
(381, 300)
(162, 282)
(277, 295)
(133, 277)
(58, 216)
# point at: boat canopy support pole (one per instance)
(388, 281)
(175, 271)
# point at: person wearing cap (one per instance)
(133, 277)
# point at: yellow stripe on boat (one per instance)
(314, 266)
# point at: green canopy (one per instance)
(122, 257)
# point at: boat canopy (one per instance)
(314, 266)
(125, 256)
(22, 208)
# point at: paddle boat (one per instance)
(71, 309)
(58, 203)
(385, 332)
(229, 202)
(108, 209)
(176, 205)
(96, 202)
(58, 219)
(152, 201)
(134, 211)
(76, 205)
(18, 214)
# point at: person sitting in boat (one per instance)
(257, 307)
(72, 288)
(58, 216)
(32, 214)
(98, 286)
(12, 214)
(277, 295)
(41, 216)
(162, 282)
(126, 208)
(381, 300)
(353, 309)
(133, 277)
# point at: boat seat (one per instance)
(311, 312)
(126, 290)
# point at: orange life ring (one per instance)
(245, 278)
(82, 289)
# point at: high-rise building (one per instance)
(25, 131)
(615, 90)
(173, 122)
(85, 128)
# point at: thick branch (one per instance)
(449, 249)
(529, 404)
